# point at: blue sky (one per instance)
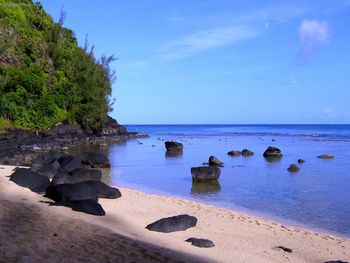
(221, 61)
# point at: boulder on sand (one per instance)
(48, 170)
(63, 178)
(200, 242)
(247, 153)
(273, 152)
(301, 161)
(30, 179)
(85, 174)
(79, 196)
(46, 158)
(205, 173)
(95, 160)
(173, 146)
(88, 206)
(70, 163)
(103, 190)
(213, 161)
(172, 224)
(63, 193)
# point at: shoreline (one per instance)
(229, 207)
(236, 234)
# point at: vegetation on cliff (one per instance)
(45, 77)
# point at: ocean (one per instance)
(317, 197)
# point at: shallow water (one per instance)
(317, 196)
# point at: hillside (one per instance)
(45, 77)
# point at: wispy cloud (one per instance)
(206, 40)
(294, 82)
(313, 35)
(329, 111)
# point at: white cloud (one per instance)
(205, 40)
(330, 111)
(313, 34)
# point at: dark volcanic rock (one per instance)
(336, 261)
(293, 168)
(63, 178)
(49, 158)
(71, 165)
(89, 206)
(172, 224)
(200, 242)
(247, 153)
(213, 161)
(234, 153)
(84, 174)
(30, 179)
(273, 152)
(103, 190)
(112, 127)
(63, 193)
(65, 130)
(326, 156)
(205, 173)
(285, 249)
(301, 161)
(95, 160)
(48, 170)
(174, 146)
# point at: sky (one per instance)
(220, 61)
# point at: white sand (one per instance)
(120, 236)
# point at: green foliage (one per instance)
(45, 77)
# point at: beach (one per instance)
(32, 230)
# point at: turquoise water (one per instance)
(318, 196)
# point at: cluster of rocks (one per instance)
(68, 180)
(179, 223)
(21, 147)
(244, 152)
(210, 171)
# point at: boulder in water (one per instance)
(174, 146)
(213, 161)
(326, 156)
(205, 173)
(293, 168)
(273, 152)
(234, 153)
(247, 153)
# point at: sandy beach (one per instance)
(32, 230)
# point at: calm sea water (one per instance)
(318, 196)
